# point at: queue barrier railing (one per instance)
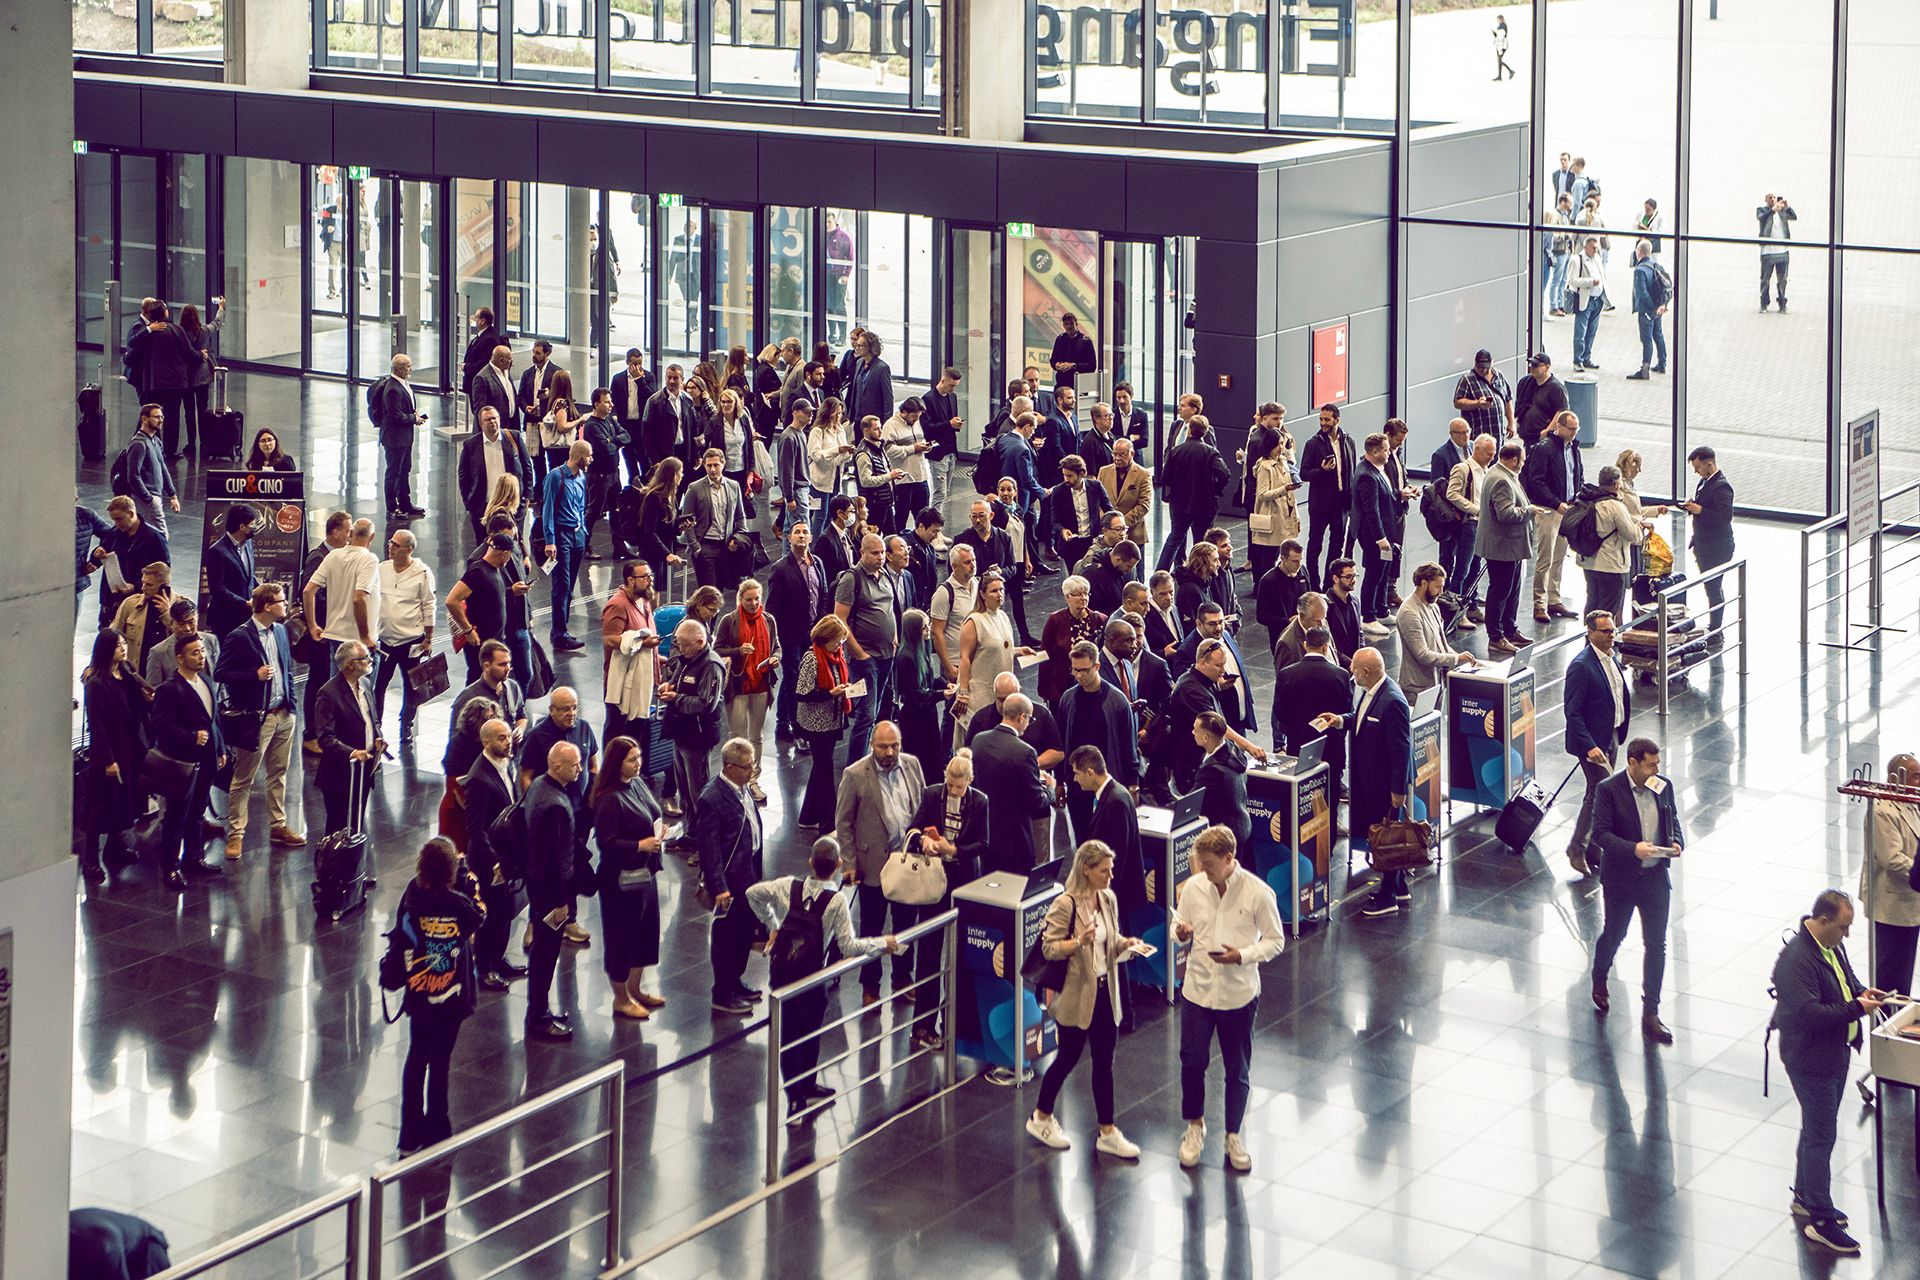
(946, 924)
(608, 1081)
(348, 1200)
(1665, 664)
(1877, 568)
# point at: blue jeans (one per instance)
(1557, 283)
(877, 671)
(1820, 1098)
(566, 567)
(1198, 1026)
(1585, 321)
(1653, 338)
(817, 513)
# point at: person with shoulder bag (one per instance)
(439, 915)
(628, 822)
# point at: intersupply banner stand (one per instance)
(1863, 525)
(1491, 736)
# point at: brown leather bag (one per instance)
(1395, 844)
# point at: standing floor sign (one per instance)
(1292, 816)
(1169, 857)
(278, 501)
(1491, 722)
(1000, 1021)
(1429, 781)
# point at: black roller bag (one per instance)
(340, 880)
(1525, 812)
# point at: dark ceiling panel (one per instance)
(389, 138)
(937, 180)
(275, 127)
(107, 115)
(473, 145)
(186, 120)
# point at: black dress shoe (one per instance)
(417, 513)
(568, 644)
(176, 881)
(550, 1029)
(1655, 1030)
(203, 867)
(94, 873)
(1600, 999)
(507, 970)
(493, 982)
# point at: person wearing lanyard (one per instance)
(406, 626)
(344, 723)
(1818, 1004)
(256, 669)
(1232, 918)
(1636, 833)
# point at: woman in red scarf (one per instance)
(822, 710)
(750, 643)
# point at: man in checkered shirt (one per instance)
(1484, 399)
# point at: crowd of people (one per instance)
(894, 656)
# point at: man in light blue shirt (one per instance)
(563, 514)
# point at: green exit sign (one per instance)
(1020, 230)
(358, 172)
(671, 200)
(79, 146)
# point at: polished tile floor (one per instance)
(1433, 1095)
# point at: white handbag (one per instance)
(912, 877)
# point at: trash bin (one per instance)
(1583, 397)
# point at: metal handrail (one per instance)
(610, 1078)
(1877, 570)
(946, 923)
(349, 1198)
(1663, 669)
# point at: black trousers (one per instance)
(1894, 947)
(432, 1031)
(183, 841)
(1651, 894)
(873, 915)
(398, 657)
(1716, 588)
(727, 946)
(503, 904)
(1103, 1033)
(338, 794)
(173, 403)
(1017, 582)
(544, 958)
(1181, 523)
(1328, 528)
(399, 473)
(602, 492)
(1503, 598)
(801, 1016)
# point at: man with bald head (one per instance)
(564, 723)
(492, 387)
(872, 815)
(489, 788)
(1886, 895)
(865, 599)
(349, 580)
(396, 415)
(553, 868)
(1379, 734)
(1007, 771)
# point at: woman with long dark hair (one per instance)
(821, 710)
(923, 690)
(659, 512)
(200, 371)
(267, 455)
(440, 912)
(626, 818)
(116, 715)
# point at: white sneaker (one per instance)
(1114, 1143)
(1191, 1142)
(1375, 628)
(1046, 1129)
(1237, 1154)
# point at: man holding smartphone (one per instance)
(1637, 834)
(1230, 916)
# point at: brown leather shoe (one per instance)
(286, 836)
(233, 848)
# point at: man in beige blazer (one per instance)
(878, 794)
(1130, 490)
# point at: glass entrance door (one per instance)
(680, 284)
(976, 325)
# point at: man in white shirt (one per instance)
(406, 625)
(951, 606)
(350, 577)
(1231, 917)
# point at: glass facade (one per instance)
(167, 28)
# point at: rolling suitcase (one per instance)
(1524, 813)
(340, 880)
(93, 423)
(220, 430)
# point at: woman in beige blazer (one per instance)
(1083, 925)
(1886, 889)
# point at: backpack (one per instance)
(1661, 290)
(120, 474)
(1442, 517)
(1581, 527)
(800, 944)
(986, 471)
(373, 399)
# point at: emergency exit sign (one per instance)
(671, 200)
(1020, 230)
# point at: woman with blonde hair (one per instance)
(1083, 928)
(1275, 517)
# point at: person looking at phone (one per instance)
(1379, 737)
(1637, 833)
(1230, 916)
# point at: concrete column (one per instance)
(985, 42)
(582, 363)
(37, 870)
(268, 43)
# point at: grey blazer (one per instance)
(1423, 647)
(1506, 518)
(696, 500)
(1074, 1006)
(858, 821)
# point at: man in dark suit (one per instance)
(493, 388)
(135, 544)
(1195, 694)
(632, 389)
(1221, 779)
(1142, 677)
(229, 568)
(256, 670)
(1315, 685)
(486, 336)
(1193, 476)
(1096, 442)
(396, 416)
(1235, 693)
(1075, 509)
(1129, 422)
(660, 423)
(835, 550)
(799, 594)
(1637, 833)
(536, 386)
(1007, 771)
(1454, 450)
(1379, 525)
(1164, 628)
(343, 721)
(492, 450)
(1711, 536)
(1073, 352)
(490, 787)
(728, 825)
(1020, 463)
(1276, 597)
(1379, 735)
(1058, 435)
(1598, 704)
(1327, 464)
(1093, 713)
(553, 868)
(184, 727)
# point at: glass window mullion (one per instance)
(810, 54)
(602, 59)
(409, 36)
(702, 47)
(503, 58)
(1149, 28)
